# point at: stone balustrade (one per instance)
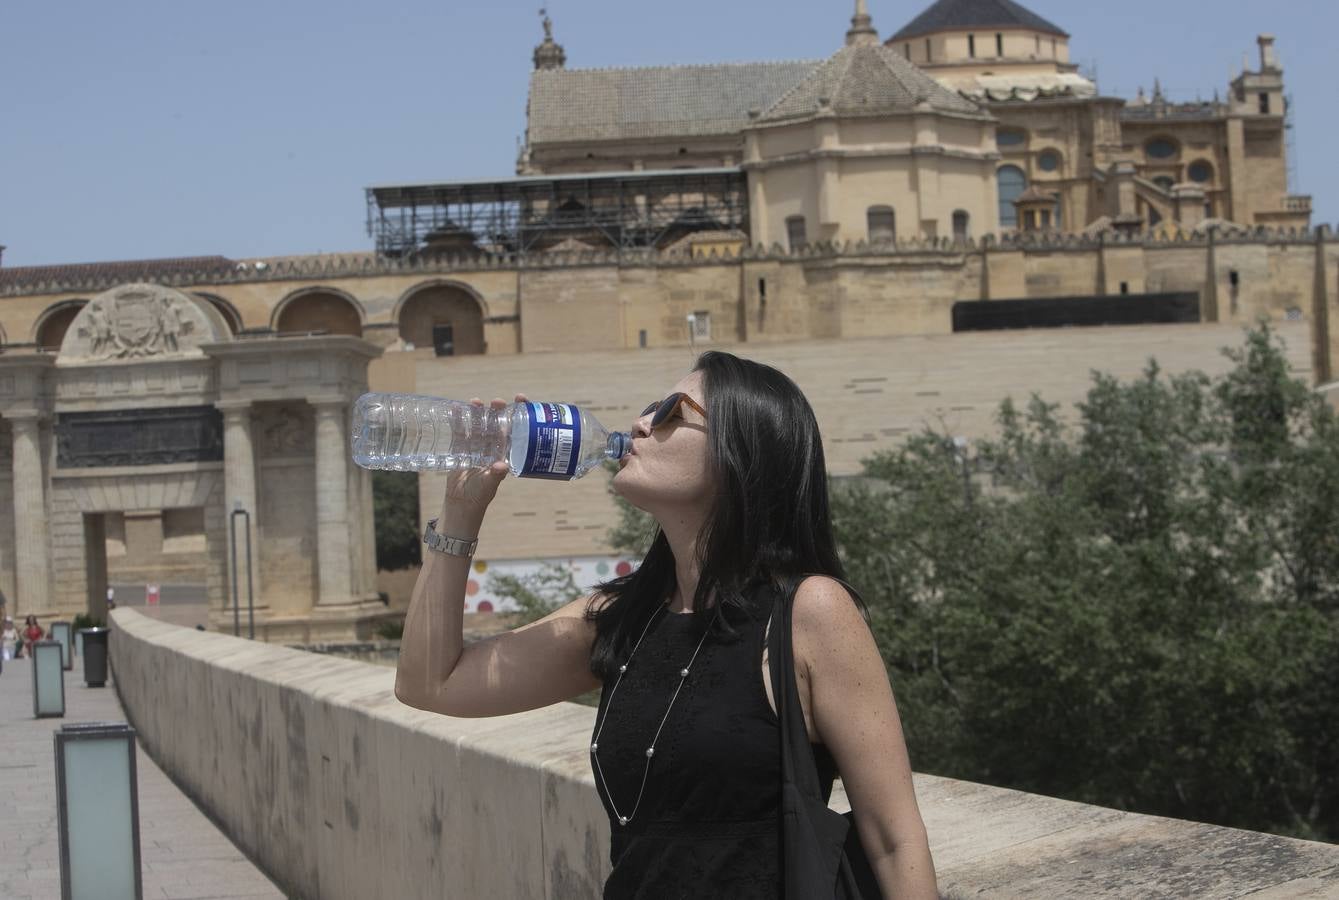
(338, 790)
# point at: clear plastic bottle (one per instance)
(408, 432)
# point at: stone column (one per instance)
(239, 491)
(362, 535)
(1209, 296)
(332, 504)
(32, 556)
(369, 532)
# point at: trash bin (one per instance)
(95, 656)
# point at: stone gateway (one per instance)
(157, 412)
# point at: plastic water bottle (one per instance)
(408, 432)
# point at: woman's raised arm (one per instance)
(537, 665)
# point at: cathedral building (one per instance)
(969, 120)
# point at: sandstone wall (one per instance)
(868, 394)
(598, 300)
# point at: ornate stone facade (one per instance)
(149, 414)
(885, 146)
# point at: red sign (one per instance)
(151, 594)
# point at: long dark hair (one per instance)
(769, 527)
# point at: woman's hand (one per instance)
(469, 491)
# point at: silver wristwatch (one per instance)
(448, 545)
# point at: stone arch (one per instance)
(962, 225)
(54, 321)
(231, 317)
(319, 309)
(446, 315)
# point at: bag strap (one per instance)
(798, 766)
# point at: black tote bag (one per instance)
(821, 852)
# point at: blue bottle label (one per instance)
(555, 439)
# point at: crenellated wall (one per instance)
(336, 790)
(604, 299)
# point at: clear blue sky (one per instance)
(178, 128)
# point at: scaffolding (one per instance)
(618, 210)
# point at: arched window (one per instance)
(795, 235)
(444, 317)
(1012, 182)
(961, 224)
(882, 224)
(55, 322)
(231, 318)
(1166, 182)
(1161, 148)
(319, 311)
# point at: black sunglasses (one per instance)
(666, 408)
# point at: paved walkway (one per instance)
(182, 854)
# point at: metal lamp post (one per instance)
(48, 680)
(250, 595)
(61, 632)
(97, 798)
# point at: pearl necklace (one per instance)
(651, 750)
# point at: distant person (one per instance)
(32, 633)
(730, 464)
(9, 639)
(111, 597)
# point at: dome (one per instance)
(963, 15)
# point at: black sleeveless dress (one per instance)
(708, 824)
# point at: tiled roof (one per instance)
(18, 277)
(866, 79)
(952, 15)
(659, 101)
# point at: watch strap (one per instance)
(445, 544)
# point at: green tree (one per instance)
(1134, 606)
(395, 513)
(539, 593)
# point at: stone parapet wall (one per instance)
(370, 265)
(336, 790)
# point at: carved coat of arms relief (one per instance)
(134, 323)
